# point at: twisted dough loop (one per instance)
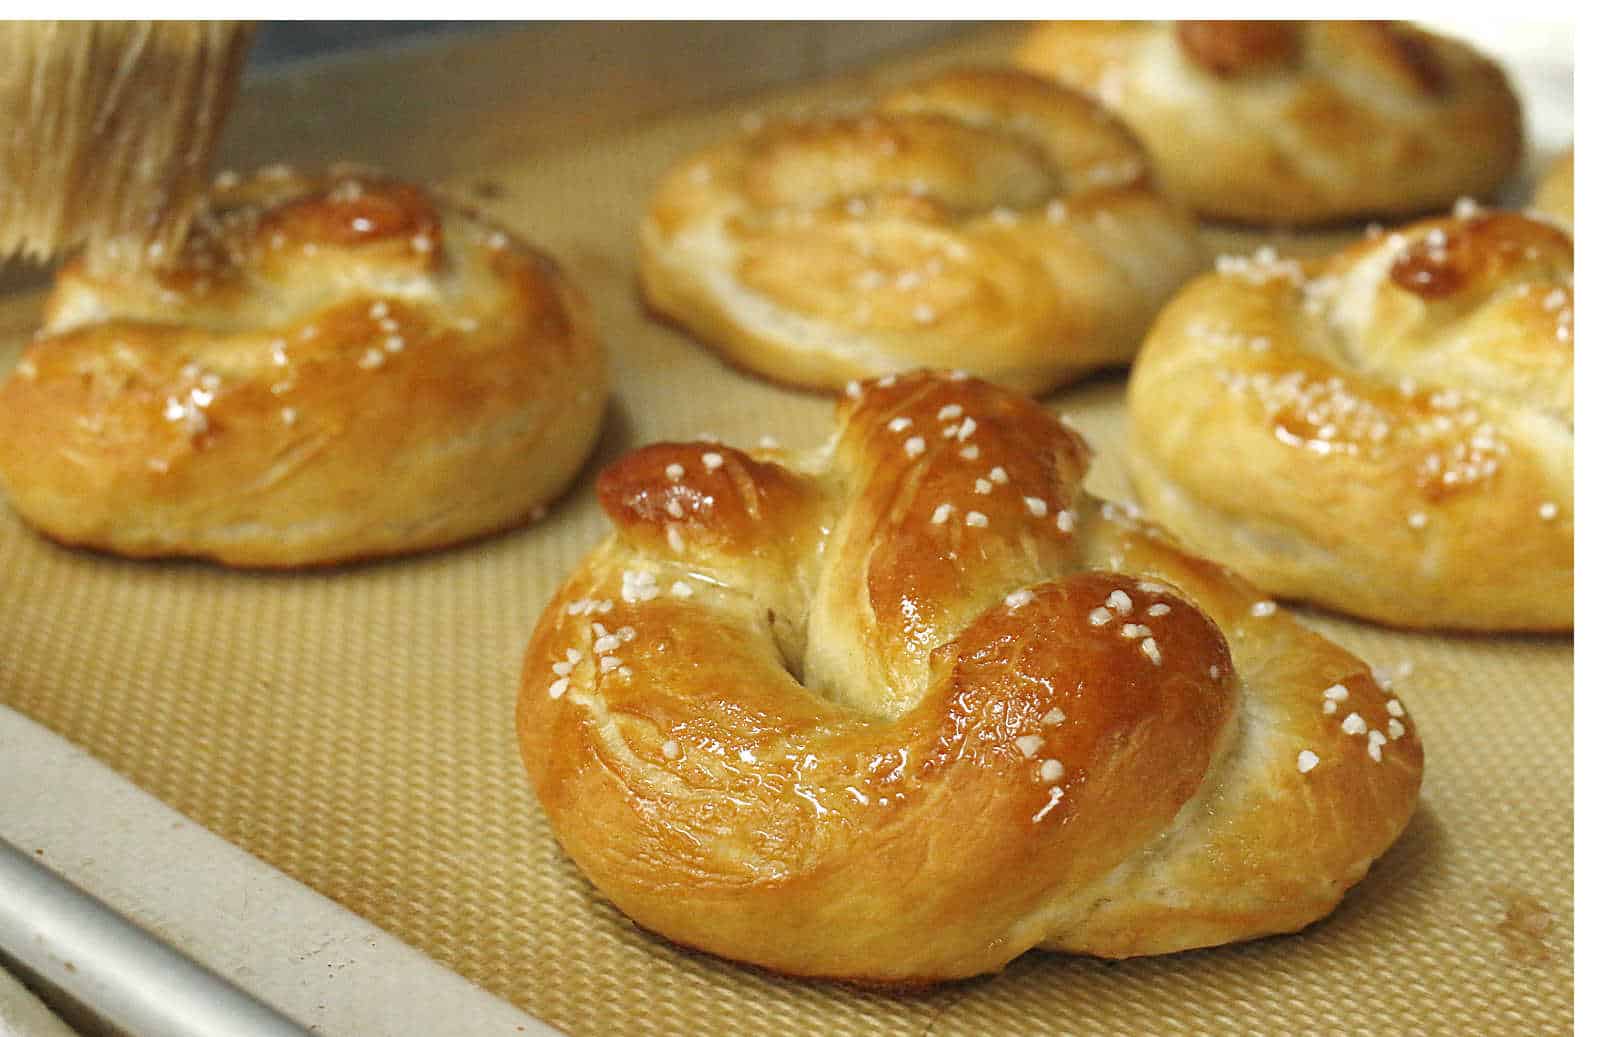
(900, 711)
(982, 220)
(1389, 432)
(338, 366)
(1297, 122)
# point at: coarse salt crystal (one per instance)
(637, 587)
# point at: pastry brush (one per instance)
(107, 131)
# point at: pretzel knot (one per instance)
(902, 709)
(1295, 123)
(337, 365)
(1388, 432)
(988, 220)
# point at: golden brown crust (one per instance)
(1388, 432)
(341, 366)
(982, 220)
(898, 711)
(1297, 123)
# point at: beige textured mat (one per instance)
(354, 729)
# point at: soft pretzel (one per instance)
(339, 366)
(1296, 123)
(1388, 432)
(1554, 196)
(985, 220)
(901, 710)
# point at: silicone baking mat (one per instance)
(354, 727)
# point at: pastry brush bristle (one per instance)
(107, 131)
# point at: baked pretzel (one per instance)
(984, 219)
(1388, 432)
(338, 366)
(1295, 123)
(901, 710)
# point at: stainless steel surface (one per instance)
(153, 870)
(115, 970)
